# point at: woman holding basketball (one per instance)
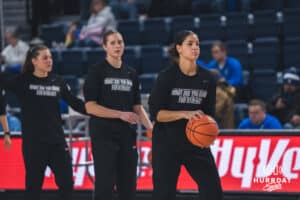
(112, 97)
(39, 92)
(182, 92)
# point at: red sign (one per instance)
(252, 163)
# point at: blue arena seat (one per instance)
(56, 60)
(205, 51)
(265, 54)
(263, 84)
(265, 24)
(179, 23)
(210, 28)
(155, 31)
(93, 56)
(292, 4)
(237, 27)
(291, 23)
(52, 33)
(12, 100)
(130, 30)
(239, 50)
(72, 62)
(269, 5)
(147, 81)
(291, 52)
(202, 7)
(151, 59)
(130, 58)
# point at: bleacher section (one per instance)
(253, 38)
(265, 42)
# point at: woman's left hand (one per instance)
(7, 142)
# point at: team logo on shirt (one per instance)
(189, 96)
(119, 84)
(42, 90)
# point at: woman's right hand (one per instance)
(129, 117)
(196, 114)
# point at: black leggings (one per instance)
(115, 162)
(200, 164)
(37, 156)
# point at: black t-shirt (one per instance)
(175, 91)
(39, 102)
(115, 89)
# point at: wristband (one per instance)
(7, 133)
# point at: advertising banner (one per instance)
(245, 163)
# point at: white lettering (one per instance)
(248, 168)
(288, 161)
(223, 153)
(266, 167)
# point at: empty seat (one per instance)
(291, 52)
(130, 58)
(130, 30)
(263, 84)
(56, 57)
(264, 24)
(147, 82)
(52, 33)
(93, 56)
(151, 59)
(152, 29)
(237, 27)
(86, 43)
(210, 28)
(291, 23)
(292, 4)
(269, 5)
(180, 23)
(240, 113)
(265, 54)
(205, 51)
(12, 100)
(202, 7)
(239, 50)
(72, 62)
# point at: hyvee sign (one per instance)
(252, 163)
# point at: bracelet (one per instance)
(7, 133)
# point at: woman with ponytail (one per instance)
(39, 92)
(113, 100)
(182, 92)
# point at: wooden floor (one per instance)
(87, 195)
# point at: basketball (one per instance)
(203, 131)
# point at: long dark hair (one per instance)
(33, 52)
(108, 33)
(178, 40)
